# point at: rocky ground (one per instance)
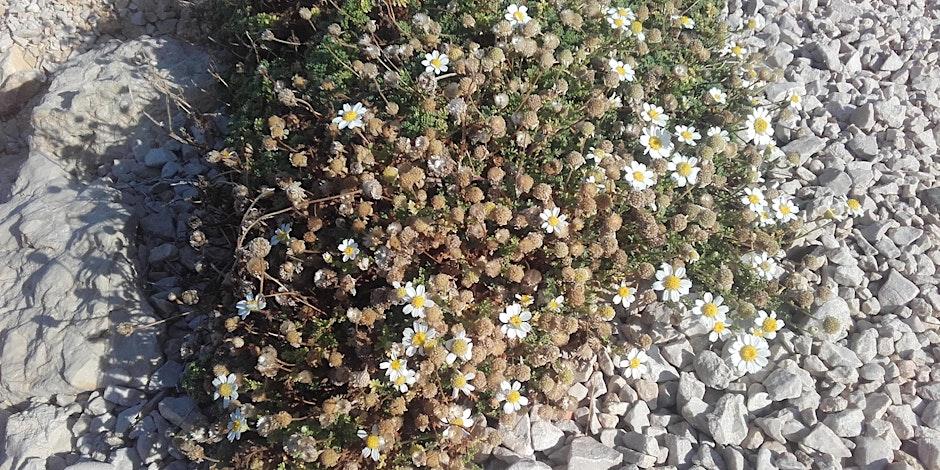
(866, 394)
(96, 215)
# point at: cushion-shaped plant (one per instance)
(449, 205)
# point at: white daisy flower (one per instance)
(654, 114)
(718, 96)
(684, 21)
(374, 443)
(639, 176)
(735, 47)
(657, 142)
(225, 388)
(754, 199)
(615, 101)
(250, 304)
(709, 307)
(636, 30)
(401, 291)
(593, 179)
(435, 62)
(556, 304)
(853, 207)
(684, 170)
(404, 380)
(624, 294)
(635, 364)
(349, 249)
(237, 424)
(719, 329)
(784, 208)
(758, 128)
(755, 23)
(459, 347)
(461, 383)
(765, 266)
(623, 71)
(624, 12)
(394, 366)
(687, 135)
(420, 338)
(768, 324)
(795, 99)
(597, 155)
(515, 322)
(765, 217)
(553, 220)
(512, 398)
(525, 300)
(672, 282)
(350, 117)
(749, 353)
(417, 300)
(620, 18)
(281, 234)
(458, 421)
(517, 15)
(715, 130)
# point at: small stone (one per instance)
(638, 417)
(822, 439)
(680, 450)
(181, 411)
(896, 291)
(726, 422)
(712, 370)
(806, 147)
(124, 396)
(836, 355)
(585, 452)
(516, 436)
(528, 465)
(864, 116)
(928, 451)
(162, 252)
(578, 392)
(782, 384)
(156, 158)
(847, 423)
(546, 436)
(864, 146)
(930, 415)
(872, 452)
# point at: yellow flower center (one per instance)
(400, 380)
(372, 442)
(653, 113)
(395, 364)
(418, 301)
(460, 347)
(687, 135)
(460, 381)
(636, 27)
(513, 396)
(515, 321)
(552, 304)
(436, 63)
(754, 199)
(237, 426)
(785, 209)
(749, 353)
(719, 327)
(853, 204)
(737, 50)
(525, 299)
(672, 282)
(621, 70)
(457, 421)
(623, 291)
(752, 23)
(419, 338)
(795, 99)
(685, 21)
(226, 390)
(710, 310)
(761, 125)
(769, 325)
(684, 169)
(655, 143)
(634, 363)
(639, 176)
(765, 265)
(349, 250)
(350, 116)
(619, 22)
(519, 16)
(553, 221)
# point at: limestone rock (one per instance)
(37, 432)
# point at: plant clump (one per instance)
(448, 204)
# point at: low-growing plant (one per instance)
(448, 206)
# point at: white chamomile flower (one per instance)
(620, 18)
(517, 15)
(593, 179)
(525, 300)
(459, 347)
(784, 208)
(709, 308)
(512, 398)
(461, 383)
(684, 170)
(349, 249)
(636, 30)
(634, 364)
(765, 217)
(350, 117)
(404, 380)
(715, 130)
(515, 322)
(755, 23)
(754, 199)
(553, 221)
(250, 304)
(374, 443)
(237, 424)
(623, 71)
(765, 266)
(556, 304)
(684, 21)
(615, 101)
(225, 388)
(420, 338)
(624, 294)
(458, 421)
(401, 291)
(639, 176)
(417, 300)
(624, 12)
(853, 207)
(735, 47)
(657, 142)
(654, 114)
(435, 62)
(687, 135)
(394, 366)
(758, 128)
(768, 324)
(749, 353)
(795, 99)
(281, 234)
(672, 282)
(718, 96)
(597, 155)
(719, 328)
